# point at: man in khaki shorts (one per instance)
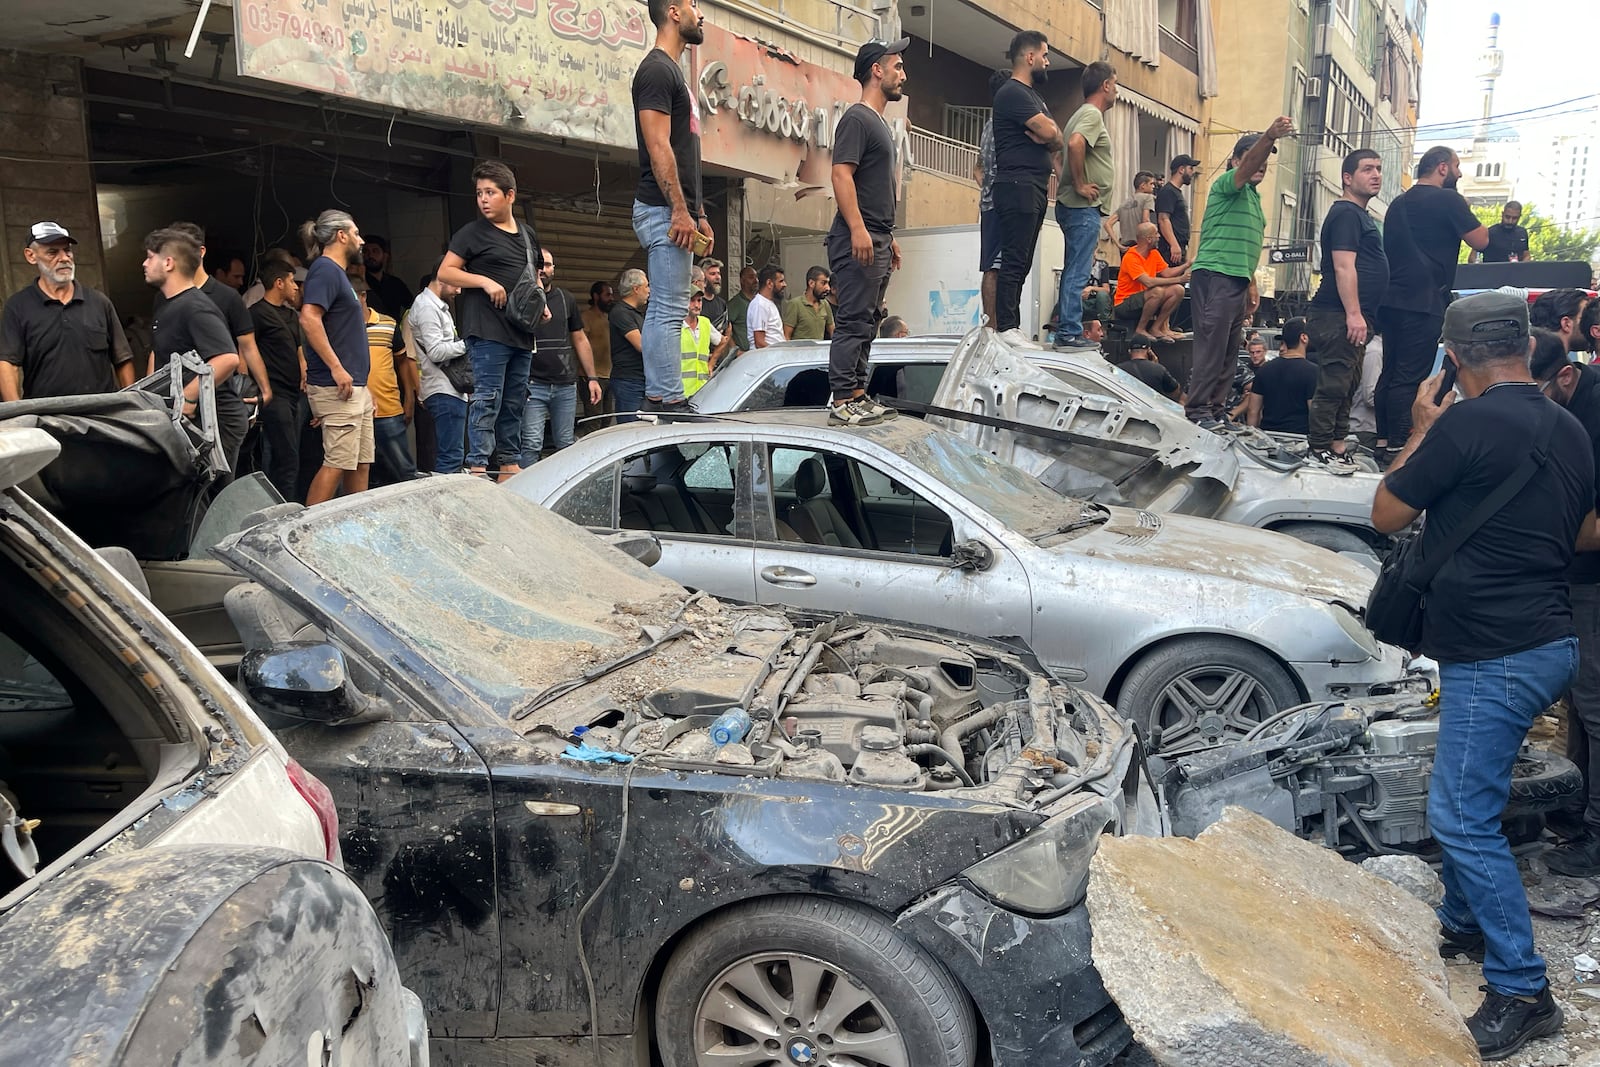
(337, 357)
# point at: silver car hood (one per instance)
(1211, 549)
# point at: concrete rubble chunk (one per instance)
(1249, 946)
(1410, 873)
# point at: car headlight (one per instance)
(1356, 630)
(1047, 872)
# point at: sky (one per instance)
(1549, 55)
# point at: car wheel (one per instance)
(1542, 783)
(1200, 691)
(1326, 535)
(809, 980)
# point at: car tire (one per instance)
(1191, 690)
(732, 981)
(1542, 783)
(1326, 535)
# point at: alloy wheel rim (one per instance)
(1208, 704)
(788, 1009)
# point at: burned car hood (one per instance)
(517, 618)
(1214, 549)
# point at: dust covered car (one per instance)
(598, 812)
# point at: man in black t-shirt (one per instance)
(1508, 241)
(1280, 393)
(1498, 619)
(277, 320)
(1025, 138)
(1142, 364)
(1422, 234)
(627, 334)
(860, 244)
(561, 351)
(1172, 211)
(1355, 274)
(669, 215)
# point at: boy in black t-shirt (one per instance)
(861, 245)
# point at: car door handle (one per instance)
(787, 576)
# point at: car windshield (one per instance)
(497, 592)
(1008, 493)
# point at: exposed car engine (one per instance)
(1353, 776)
(845, 701)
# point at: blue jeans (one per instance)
(1080, 230)
(667, 267)
(1485, 709)
(500, 390)
(555, 404)
(392, 460)
(450, 428)
(628, 394)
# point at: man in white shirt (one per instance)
(433, 331)
(765, 321)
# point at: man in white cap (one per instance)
(57, 337)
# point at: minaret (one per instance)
(1490, 63)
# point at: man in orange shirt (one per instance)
(1148, 291)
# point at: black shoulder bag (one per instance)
(526, 303)
(1394, 608)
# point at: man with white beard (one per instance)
(59, 338)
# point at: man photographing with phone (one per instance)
(1498, 618)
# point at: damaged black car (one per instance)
(599, 814)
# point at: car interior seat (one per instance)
(813, 516)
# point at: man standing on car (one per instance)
(670, 226)
(337, 357)
(1422, 234)
(1083, 191)
(1498, 619)
(1025, 138)
(1222, 286)
(1172, 211)
(1576, 387)
(59, 338)
(861, 247)
(1355, 275)
(277, 320)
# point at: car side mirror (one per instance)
(973, 555)
(642, 546)
(304, 681)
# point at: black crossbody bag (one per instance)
(526, 303)
(1395, 606)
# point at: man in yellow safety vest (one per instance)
(699, 339)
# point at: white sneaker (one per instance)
(1333, 462)
(853, 413)
(883, 412)
(1015, 336)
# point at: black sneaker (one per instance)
(1332, 462)
(654, 405)
(1460, 943)
(1577, 858)
(1503, 1024)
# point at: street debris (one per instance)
(1410, 873)
(1249, 945)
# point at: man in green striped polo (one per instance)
(1222, 288)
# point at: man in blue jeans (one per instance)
(671, 229)
(1083, 195)
(561, 349)
(1498, 618)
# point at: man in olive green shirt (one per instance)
(810, 318)
(1083, 196)
(1222, 288)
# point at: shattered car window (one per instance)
(1006, 492)
(499, 593)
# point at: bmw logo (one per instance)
(802, 1051)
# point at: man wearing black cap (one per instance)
(1172, 210)
(1222, 288)
(861, 246)
(59, 338)
(1498, 619)
(1143, 365)
(1025, 140)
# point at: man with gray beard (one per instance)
(57, 337)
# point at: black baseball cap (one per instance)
(1242, 145)
(1182, 161)
(873, 51)
(1486, 318)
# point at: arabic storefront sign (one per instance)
(561, 68)
(766, 114)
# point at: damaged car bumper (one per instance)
(1389, 672)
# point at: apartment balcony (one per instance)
(945, 156)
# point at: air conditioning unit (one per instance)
(1313, 90)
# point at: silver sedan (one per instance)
(1197, 629)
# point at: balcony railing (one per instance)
(942, 155)
(839, 23)
(965, 124)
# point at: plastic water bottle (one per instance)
(730, 726)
